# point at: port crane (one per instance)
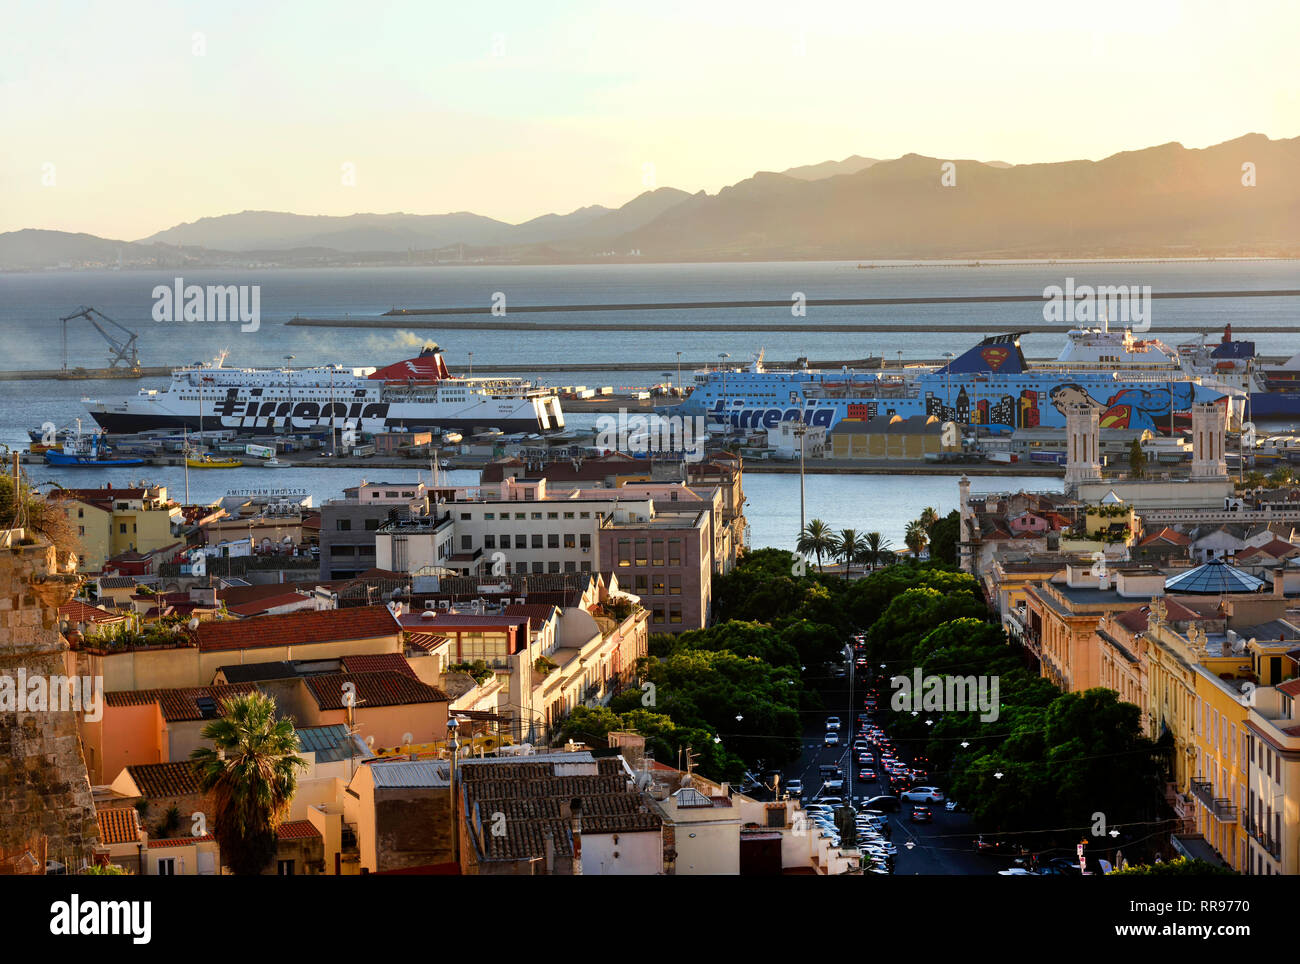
(122, 353)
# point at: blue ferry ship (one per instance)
(1133, 383)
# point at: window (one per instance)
(336, 551)
(489, 516)
(521, 515)
(570, 566)
(553, 567)
(464, 517)
(657, 552)
(538, 568)
(489, 542)
(467, 542)
(585, 567)
(166, 867)
(552, 515)
(624, 552)
(121, 528)
(342, 525)
(584, 540)
(674, 613)
(505, 542)
(553, 541)
(372, 525)
(584, 515)
(657, 584)
(537, 515)
(642, 552)
(568, 515)
(81, 530)
(284, 868)
(675, 584)
(537, 540)
(521, 541)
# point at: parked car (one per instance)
(884, 804)
(923, 795)
(1016, 872)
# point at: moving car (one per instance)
(832, 739)
(922, 815)
(832, 722)
(923, 795)
(795, 788)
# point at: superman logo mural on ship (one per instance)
(1132, 408)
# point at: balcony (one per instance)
(1264, 839)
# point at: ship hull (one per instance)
(60, 458)
(128, 423)
(1274, 404)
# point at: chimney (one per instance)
(1279, 580)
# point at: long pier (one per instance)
(490, 309)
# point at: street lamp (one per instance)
(679, 371)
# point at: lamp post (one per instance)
(679, 371)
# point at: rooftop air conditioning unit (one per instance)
(442, 604)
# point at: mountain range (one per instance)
(1161, 201)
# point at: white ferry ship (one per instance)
(416, 394)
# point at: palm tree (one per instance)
(915, 537)
(848, 546)
(816, 538)
(252, 774)
(874, 547)
(929, 516)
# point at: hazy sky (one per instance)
(148, 114)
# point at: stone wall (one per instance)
(46, 808)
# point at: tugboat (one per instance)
(86, 451)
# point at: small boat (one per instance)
(274, 463)
(88, 451)
(208, 462)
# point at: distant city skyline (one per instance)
(126, 120)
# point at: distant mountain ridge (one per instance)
(1165, 201)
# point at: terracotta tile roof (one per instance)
(532, 796)
(1172, 536)
(384, 688)
(179, 705)
(416, 622)
(426, 641)
(537, 613)
(179, 841)
(257, 606)
(157, 780)
(1290, 688)
(118, 825)
(297, 830)
(377, 662)
(1135, 620)
(76, 611)
(296, 629)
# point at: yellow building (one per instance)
(110, 521)
(1271, 816)
(890, 437)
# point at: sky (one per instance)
(122, 119)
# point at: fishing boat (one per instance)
(208, 462)
(87, 450)
(274, 463)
